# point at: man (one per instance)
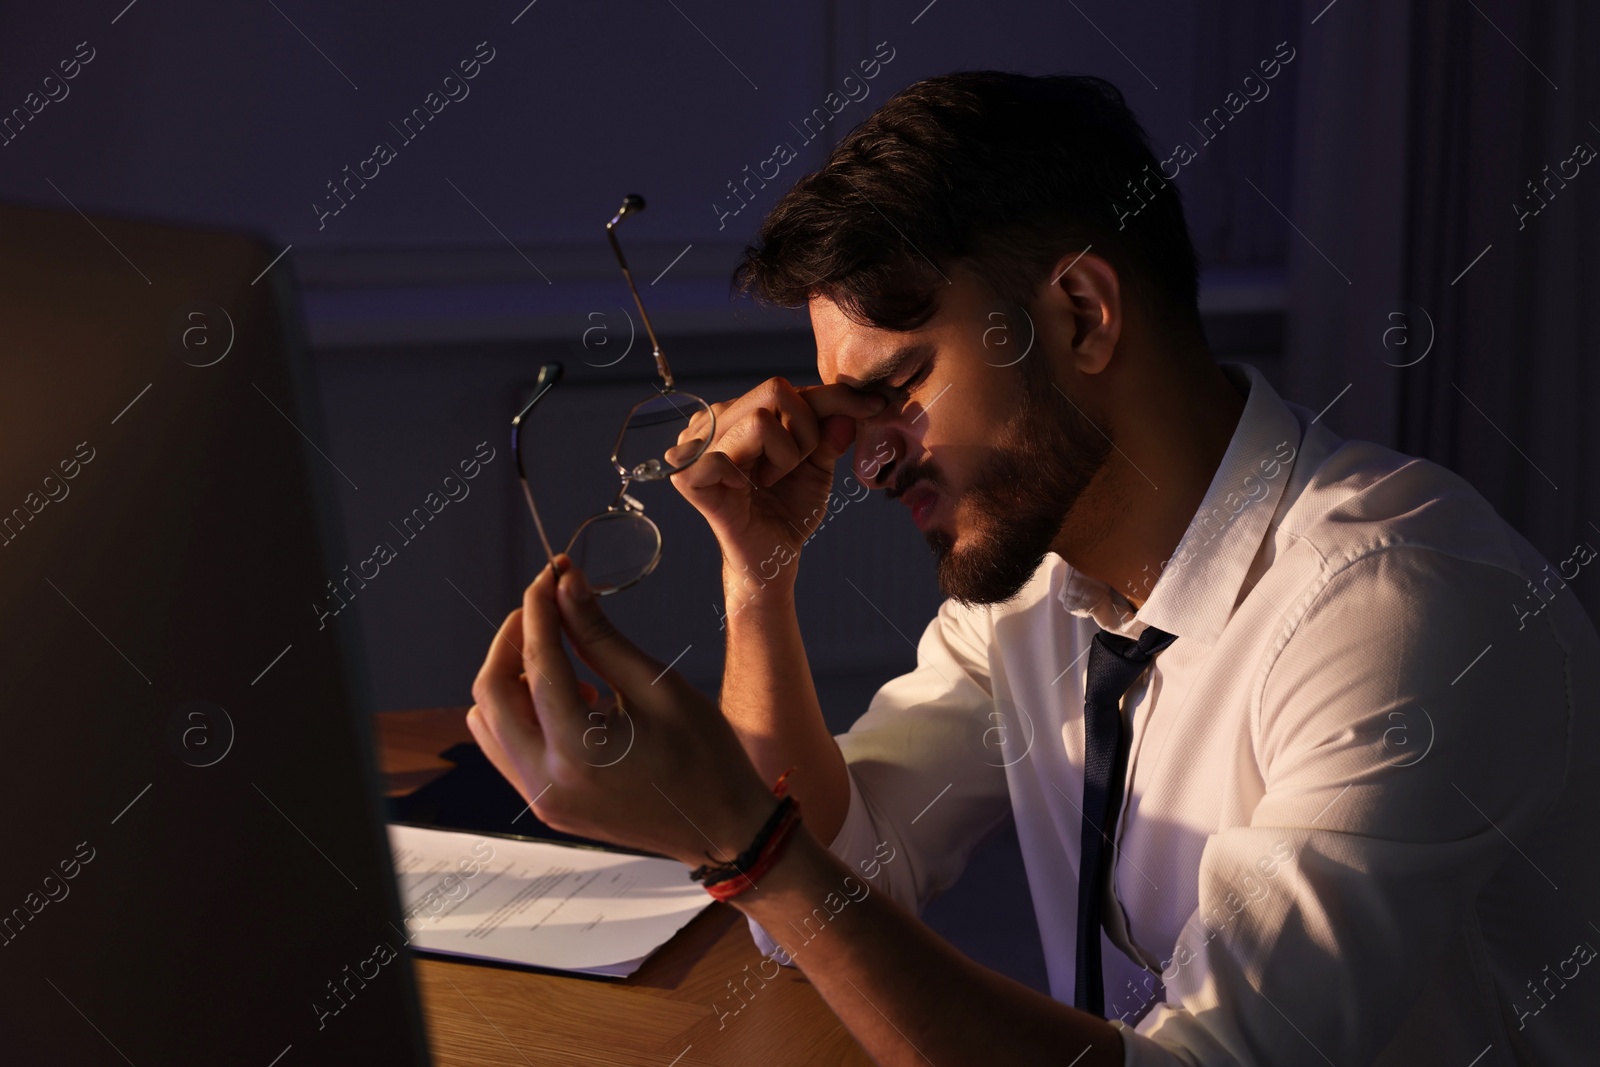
(1320, 791)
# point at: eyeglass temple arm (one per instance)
(549, 374)
(630, 203)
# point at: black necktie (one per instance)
(1115, 663)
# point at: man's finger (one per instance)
(838, 434)
(761, 446)
(837, 399)
(525, 778)
(504, 702)
(701, 421)
(838, 409)
(556, 698)
(793, 413)
(603, 647)
(713, 468)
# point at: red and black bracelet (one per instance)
(724, 880)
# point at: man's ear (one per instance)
(1082, 310)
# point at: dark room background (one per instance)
(1366, 225)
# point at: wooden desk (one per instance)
(488, 1016)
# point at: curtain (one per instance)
(1445, 270)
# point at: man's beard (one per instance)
(1017, 503)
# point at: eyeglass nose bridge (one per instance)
(627, 502)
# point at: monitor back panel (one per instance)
(195, 868)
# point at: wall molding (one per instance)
(363, 297)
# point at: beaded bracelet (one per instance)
(725, 880)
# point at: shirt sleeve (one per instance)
(1397, 772)
(924, 789)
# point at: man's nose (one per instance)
(878, 453)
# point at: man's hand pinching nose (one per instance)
(657, 768)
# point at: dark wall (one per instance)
(239, 116)
(472, 251)
(433, 290)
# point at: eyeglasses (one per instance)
(620, 546)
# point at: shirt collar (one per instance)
(1196, 590)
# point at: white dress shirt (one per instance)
(1363, 784)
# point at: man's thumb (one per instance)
(838, 433)
(596, 638)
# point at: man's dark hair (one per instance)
(1002, 172)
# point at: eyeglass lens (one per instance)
(647, 448)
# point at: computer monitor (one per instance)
(196, 869)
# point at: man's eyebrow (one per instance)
(889, 367)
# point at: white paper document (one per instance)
(538, 902)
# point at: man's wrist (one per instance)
(759, 586)
(793, 878)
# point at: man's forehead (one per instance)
(850, 350)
